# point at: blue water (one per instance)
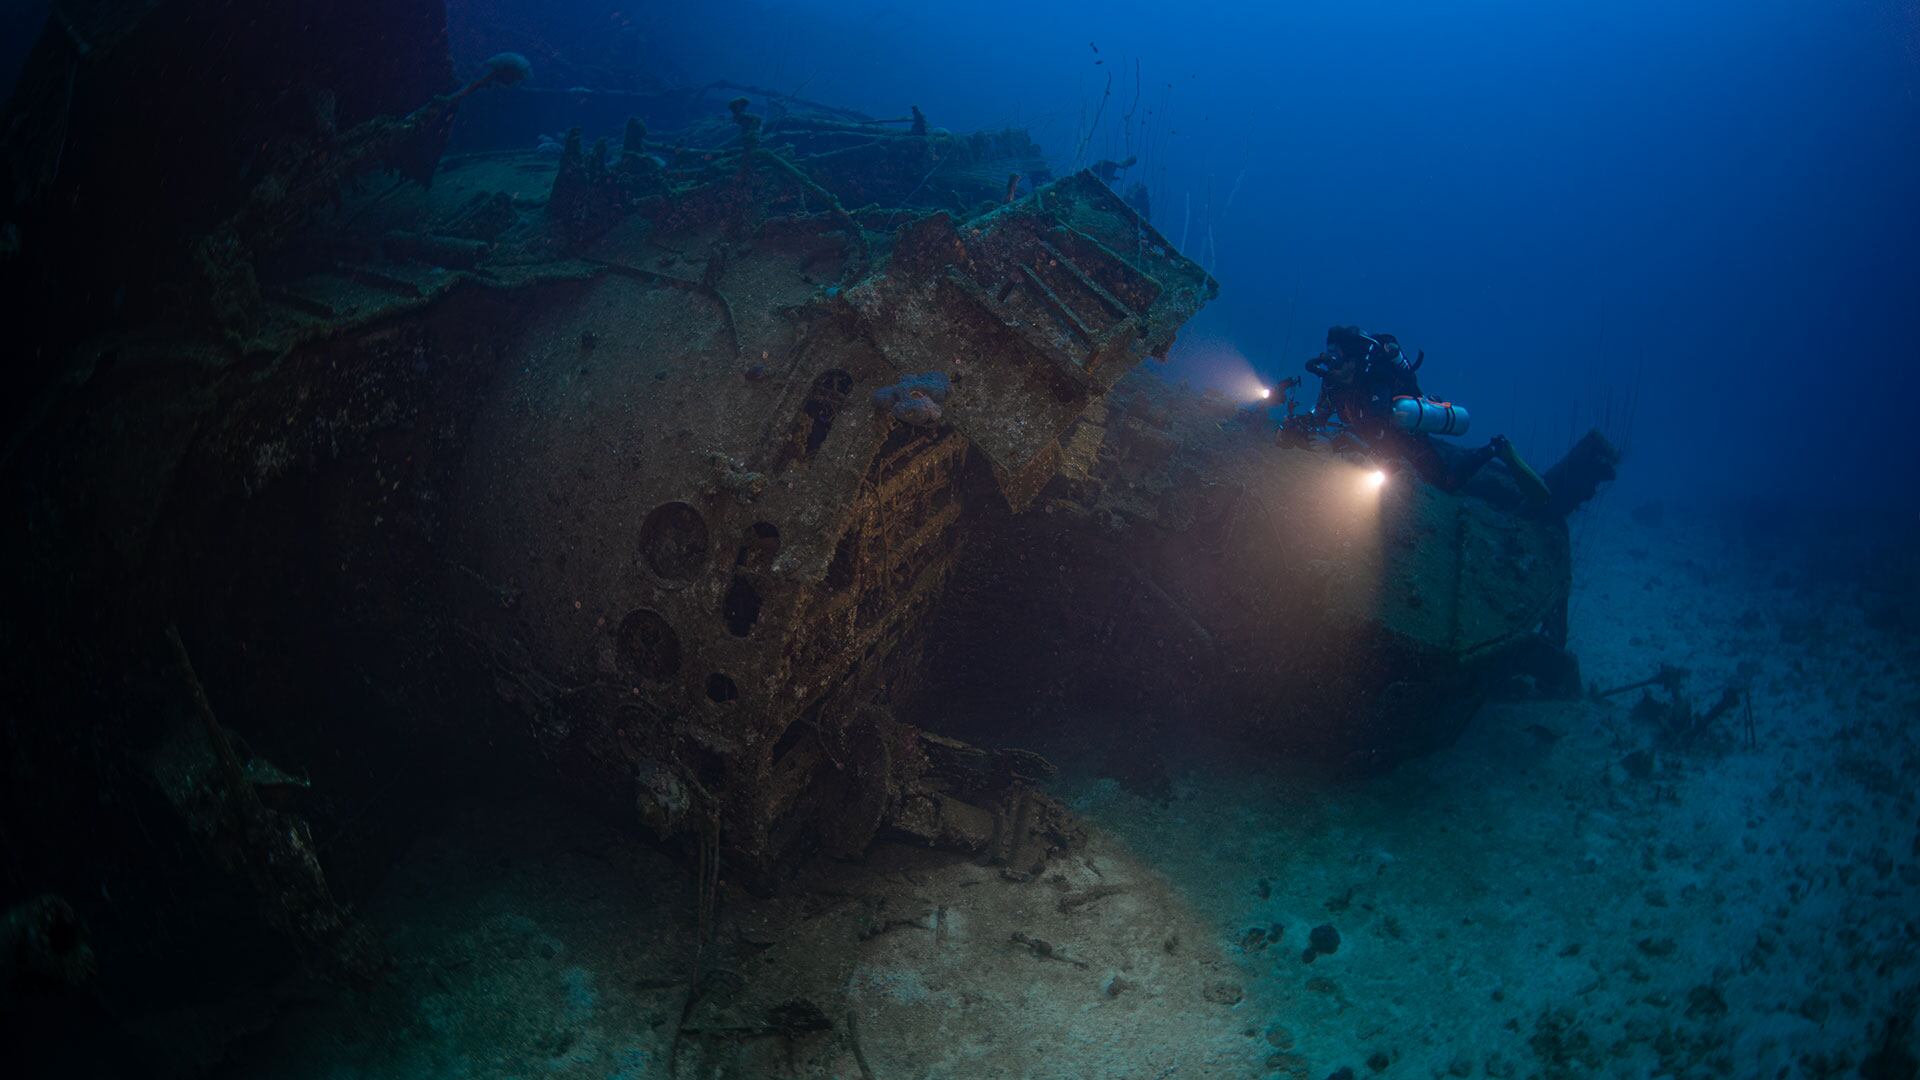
(1694, 222)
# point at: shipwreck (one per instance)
(704, 469)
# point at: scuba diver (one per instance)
(1367, 382)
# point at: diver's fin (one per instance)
(1530, 481)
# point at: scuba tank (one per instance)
(1430, 417)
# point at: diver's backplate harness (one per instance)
(1380, 371)
(1410, 411)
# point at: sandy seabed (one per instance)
(1564, 892)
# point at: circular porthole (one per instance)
(648, 646)
(673, 541)
(759, 546)
(741, 607)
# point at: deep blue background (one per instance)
(1710, 209)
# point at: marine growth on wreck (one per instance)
(523, 563)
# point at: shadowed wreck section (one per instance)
(1191, 572)
(649, 464)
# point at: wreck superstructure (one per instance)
(720, 547)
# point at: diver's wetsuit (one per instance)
(1365, 404)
